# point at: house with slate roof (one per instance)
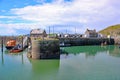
(37, 33)
(91, 34)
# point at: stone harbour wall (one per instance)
(86, 41)
(45, 49)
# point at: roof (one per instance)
(91, 31)
(37, 31)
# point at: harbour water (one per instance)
(75, 63)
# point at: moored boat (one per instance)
(9, 47)
(16, 50)
(10, 44)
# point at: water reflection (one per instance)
(34, 69)
(5, 55)
(22, 59)
(2, 58)
(44, 69)
(91, 50)
(19, 67)
(115, 52)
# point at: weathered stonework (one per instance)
(45, 49)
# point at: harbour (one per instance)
(77, 62)
(59, 40)
(43, 46)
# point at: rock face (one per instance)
(117, 40)
(45, 49)
(114, 31)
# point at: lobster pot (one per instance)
(35, 49)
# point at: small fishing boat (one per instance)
(9, 47)
(16, 49)
(10, 44)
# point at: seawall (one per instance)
(86, 41)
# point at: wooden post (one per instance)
(2, 57)
(49, 31)
(2, 50)
(53, 30)
(22, 42)
(2, 44)
(22, 59)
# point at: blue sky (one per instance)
(20, 16)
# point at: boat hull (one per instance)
(16, 51)
(9, 47)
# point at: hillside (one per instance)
(111, 30)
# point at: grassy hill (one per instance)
(111, 30)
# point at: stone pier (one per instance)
(44, 49)
(86, 41)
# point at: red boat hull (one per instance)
(16, 51)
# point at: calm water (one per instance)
(76, 63)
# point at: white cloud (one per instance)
(13, 29)
(9, 17)
(84, 13)
(24, 26)
(8, 31)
